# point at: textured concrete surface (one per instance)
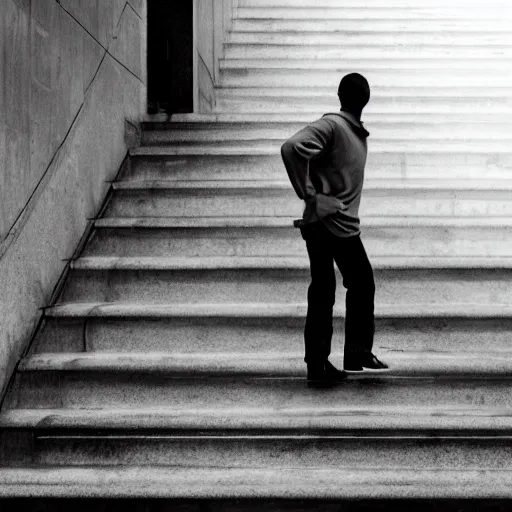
(275, 452)
(102, 389)
(232, 236)
(255, 483)
(72, 73)
(385, 202)
(180, 334)
(268, 310)
(410, 364)
(159, 284)
(337, 418)
(381, 165)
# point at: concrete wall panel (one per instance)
(91, 57)
(87, 13)
(139, 6)
(126, 45)
(14, 121)
(62, 118)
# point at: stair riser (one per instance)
(308, 9)
(277, 453)
(328, 24)
(378, 166)
(253, 77)
(103, 389)
(318, 105)
(490, 65)
(280, 132)
(278, 335)
(378, 145)
(499, 39)
(379, 241)
(340, 52)
(428, 286)
(284, 203)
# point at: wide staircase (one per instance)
(171, 364)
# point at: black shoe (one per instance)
(324, 375)
(333, 374)
(358, 363)
(371, 362)
(352, 364)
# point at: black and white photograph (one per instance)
(256, 255)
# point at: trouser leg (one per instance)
(321, 296)
(357, 272)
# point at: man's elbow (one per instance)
(287, 150)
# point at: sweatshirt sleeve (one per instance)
(302, 147)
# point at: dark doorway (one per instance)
(170, 85)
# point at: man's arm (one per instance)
(299, 149)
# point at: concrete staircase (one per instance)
(171, 364)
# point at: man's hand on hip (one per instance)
(328, 205)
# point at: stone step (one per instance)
(327, 24)
(439, 53)
(488, 65)
(441, 365)
(279, 200)
(158, 281)
(405, 92)
(257, 484)
(273, 452)
(499, 39)
(254, 329)
(130, 387)
(316, 101)
(207, 183)
(372, 10)
(294, 263)
(496, 168)
(272, 147)
(423, 130)
(371, 117)
(396, 77)
(358, 439)
(457, 422)
(267, 236)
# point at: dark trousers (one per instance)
(325, 248)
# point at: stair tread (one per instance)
(337, 416)
(278, 262)
(272, 147)
(370, 65)
(160, 121)
(260, 222)
(231, 365)
(504, 184)
(414, 92)
(265, 310)
(324, 24)
(231, 483)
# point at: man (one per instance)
(325, 163)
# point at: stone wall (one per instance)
(205, 17)
(71, 73)
(213, 19)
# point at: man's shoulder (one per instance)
(337, 120)
(346, 124)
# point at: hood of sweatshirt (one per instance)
(357, 126)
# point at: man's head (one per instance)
(354, 92)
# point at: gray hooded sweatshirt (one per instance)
(328, 157)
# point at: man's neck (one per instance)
(355, 113)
